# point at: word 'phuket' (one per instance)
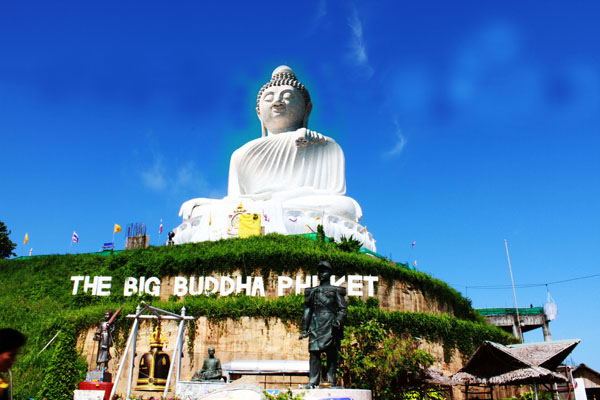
(356, 285)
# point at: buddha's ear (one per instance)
(306, 114)
(262, 126)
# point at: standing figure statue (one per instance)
(211, 368)
(104, 337)
(323, 323)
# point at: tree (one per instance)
(375, 358)
(6, 245)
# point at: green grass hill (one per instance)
(36, 294)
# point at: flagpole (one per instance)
(514, 293)
(160, 231)
(412, 246)
(70, 246)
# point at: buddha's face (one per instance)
(282, 109)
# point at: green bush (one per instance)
(376, 358)
(65, 369)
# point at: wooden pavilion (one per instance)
(494, 365)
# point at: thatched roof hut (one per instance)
(496, 364)
(548, 355)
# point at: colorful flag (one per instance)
(160, 230)
(117, 228)
(26, 238)
(413, 244)
(415, 263)
(75, 237)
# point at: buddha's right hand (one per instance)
(186, 208)
(309, 138)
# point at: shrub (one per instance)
(66, 368)
(376, 358)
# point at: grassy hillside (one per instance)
(35, 293)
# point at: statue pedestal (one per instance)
(98, 376)
(316, 394)
(194, 390)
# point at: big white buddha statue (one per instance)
(294, 178)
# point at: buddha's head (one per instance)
(283, 104)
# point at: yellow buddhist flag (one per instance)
(415, 263)
(117, 228)
(249, 225)
(26, 238)
(210, 220)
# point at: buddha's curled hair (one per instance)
(283, 79)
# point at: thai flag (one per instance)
(413, 244)
(75, 237)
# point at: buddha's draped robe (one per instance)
(274, 164)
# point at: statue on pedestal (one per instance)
(104, 337)
(211, 368)
(323, 323)
(290, 176)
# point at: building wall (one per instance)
(243, 339)
(393, 296)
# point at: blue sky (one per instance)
(463, 124)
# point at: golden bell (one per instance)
(154, 365)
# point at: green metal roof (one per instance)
(511, 311)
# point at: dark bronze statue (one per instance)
(104, 337)
(211, 368)
(323, 323)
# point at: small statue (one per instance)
(104, 337)
(323, 323)
(211, 368)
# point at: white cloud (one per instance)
(400, 142)
(154, 177)
(358, 48)
(167, 175)
(321, 10)
(187, 179)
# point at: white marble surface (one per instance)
(195, 390)
(293, 177)
(204, 391)
(88, 394)
(320, 394)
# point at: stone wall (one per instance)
(243, 339)
(399, 296)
